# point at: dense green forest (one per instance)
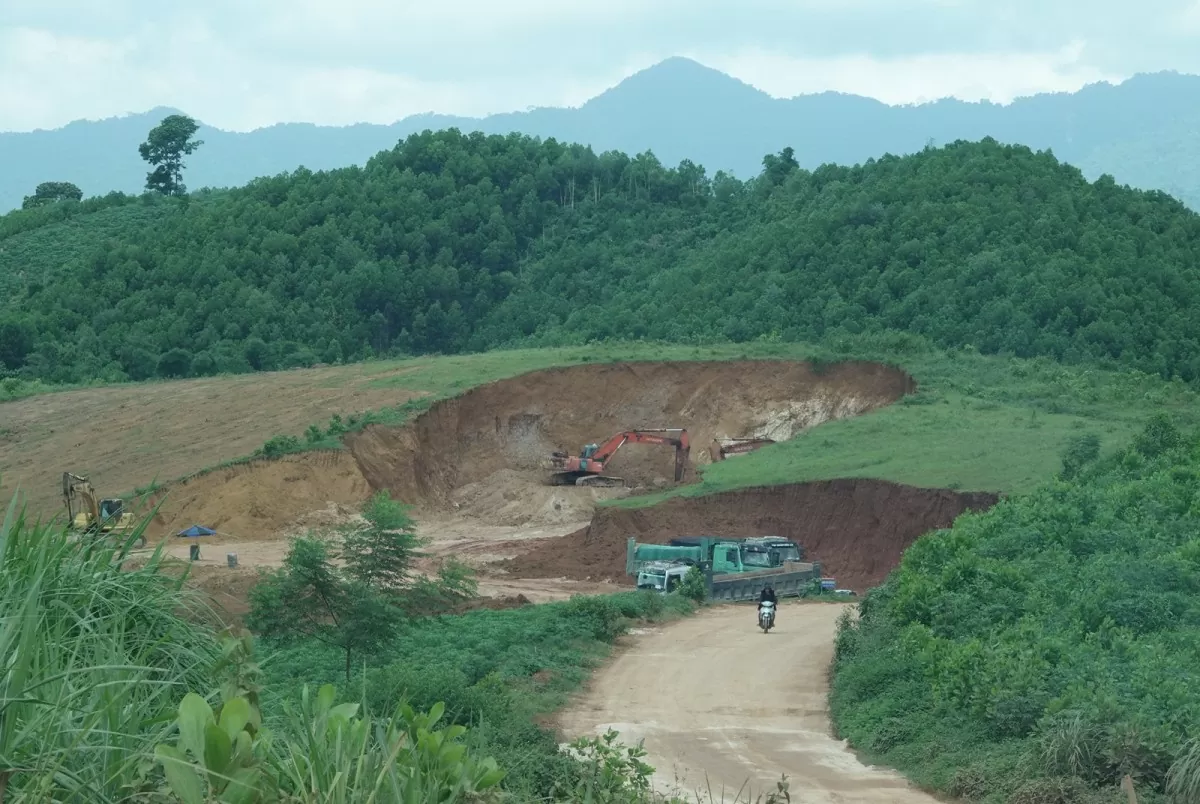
(453, 242)
(1047, 647)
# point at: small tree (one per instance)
(309, 598)
(164, 148)
(175, 363)
(1159, 435)
(51, 192)
(359, 606)
(380, 552)
(1079, 452)
(693, 586)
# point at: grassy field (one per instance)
(977, 423)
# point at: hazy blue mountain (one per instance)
(1145, 132)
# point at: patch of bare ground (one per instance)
(125, 436)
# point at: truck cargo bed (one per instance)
(796, 580)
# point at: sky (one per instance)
(243, 64)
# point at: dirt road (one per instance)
(712, 695)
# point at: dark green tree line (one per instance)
(453, 242)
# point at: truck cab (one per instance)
(662, 576)
(788, 550)
(754, 552)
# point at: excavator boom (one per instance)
(588, 468)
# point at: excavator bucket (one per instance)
(724, 448)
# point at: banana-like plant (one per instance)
(218, 755)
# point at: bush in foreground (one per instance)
(1043, 650)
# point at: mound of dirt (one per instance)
(265, 498)
(512, 497)
(857, 529)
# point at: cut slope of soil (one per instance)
(275, 497)
(482, 455)
(857, 529)
(498, 436)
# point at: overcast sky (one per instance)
(241, 64)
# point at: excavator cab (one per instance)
(111, 509)
(588, 468)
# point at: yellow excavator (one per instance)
(87, 515)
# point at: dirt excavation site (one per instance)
(475, 470)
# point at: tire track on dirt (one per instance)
(721, 705)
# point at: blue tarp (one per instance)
(197, 530)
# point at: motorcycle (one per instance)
(766, 615)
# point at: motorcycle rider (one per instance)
(767, 593)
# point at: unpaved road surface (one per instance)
(713, 696)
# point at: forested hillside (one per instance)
(452, 242)
(1047, 646)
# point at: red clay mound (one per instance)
(857, 529)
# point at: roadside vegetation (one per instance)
(1044, 649)
(116, 689)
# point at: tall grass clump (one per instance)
(93, 655)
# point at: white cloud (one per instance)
(998, 77)
(239, 64)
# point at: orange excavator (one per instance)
(588, 468)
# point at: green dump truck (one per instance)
(734, 569)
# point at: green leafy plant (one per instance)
(1042, 644)
(693, 587)
(360, 605)
(214, 758)
(344, 759)
(612, 772)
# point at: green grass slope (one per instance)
(1044, 649)
(451, 242)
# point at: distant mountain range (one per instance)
(1145, 132)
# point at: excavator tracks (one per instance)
(600, 481)
(587, 481)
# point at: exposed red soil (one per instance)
(857, 529)
(512, 426)
(481, 455)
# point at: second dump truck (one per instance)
(734, 569)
